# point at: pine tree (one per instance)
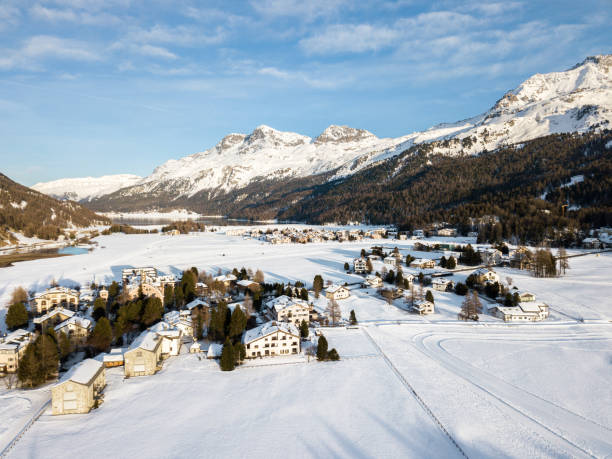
(346, 266)
(16, 316)
(168, 296)
(64, 344)
(353, 317)
(238, 323)
(153, 311)
(304, 332)
(28, 367)
(443, 262)
(113, 290)
(451, 263)
(102, 335)
(369, 267)
(322, 348)
(429, 296)
(227, 356)
(45, 351)
(317, 285)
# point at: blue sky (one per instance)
(120, 86)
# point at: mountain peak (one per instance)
(337, 134)
(604, 60)
(266, 134)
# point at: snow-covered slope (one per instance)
(86, 188)
(575, 100)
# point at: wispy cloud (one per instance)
(41, 47)
(73, 15)
(307, 10)
(9, 16)
(349, 38)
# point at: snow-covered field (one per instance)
(520, 390)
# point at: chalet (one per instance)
(197, 304)
(79, 389)
(442, 284)
(391, 261)
(144, 355)
(591, 243)
(285, 309)
(170, 338)
(181, 320)
(360, 265)
(372, 281)
(53, 317)
(53, 297)
(524, 312)
(418, 234)
(423, 263)
(337, 292)
(147, 271)
(12, 348)
(490, 256)
(103, 293)
(195, 348)
(76, 328)
(525, 297)
(248, 285)
(409, 277)
(226, 279)
(485, 276)
(201, 288)
(270, 339)
(423, 307)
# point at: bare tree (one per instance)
(563, 260)
(509, 281)
(10, 380)
(19, 295)
(333, 311)
(248, 306)
(259, 277)
(387, 294)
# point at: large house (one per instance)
(360, 265)
(423, 307)
(245, 285)
(170, 337)
(53, 317)
(79, 389)
(181, 320)
(447, 232)
(485, 276)
(442, 284)
(12, 348)
(372, 281)
(391, 260)
(52, 297)
(524, 312)
(272, 338)
(285, 309)
(490, 256)
(423, 263)
(337, 292)
(144, 355)
(76, 328)
(147, 271)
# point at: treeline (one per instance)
(184, 227)
(126, 229)
(35, 214)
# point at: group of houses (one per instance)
(145, 280)
(308, 235)
(528, 310)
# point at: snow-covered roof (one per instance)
(147, 340)
(82, 373)
(53, 313)
(246, 283)
(214, 350)
(15, 340)
(76, 320)
(333, 288)
(196, 303)
(531, 306)
(64, 290)
(267, 329)
(283, 301)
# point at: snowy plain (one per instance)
(500, 390)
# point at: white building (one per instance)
(423, 307)
(79, 389)
(360, 265)
(12, 348)
(448, 232)
(270, 339)
(423, 263)
(181, 320)
(442, 284)
(285, 309)
(485, 276)
(391, 261)
(524, 312)
(337, 292)
(372, 281)
(171, 338)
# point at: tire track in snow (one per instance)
(487, 383)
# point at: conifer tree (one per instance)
(317, 285)
(227, 356)
(102, 335)
(16, 316)
(152, 311)
(451, 263)
(333, 355)
(369, 267)
(429, 296)
(322, 348)
(168, 296)
(64, 345)
(304, 332)
(353, 317)
(28, 367)
(238, 323)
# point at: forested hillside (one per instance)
(35, 214)
(417, 188)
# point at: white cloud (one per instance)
(308, 80)
(71, 15)
(179, 35)
(305, 9)
(42, 47)
(154, 51)
(349, 38)
(9, 15)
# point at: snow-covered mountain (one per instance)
(576, 100)
(86, 188)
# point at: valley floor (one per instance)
(403, 381)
